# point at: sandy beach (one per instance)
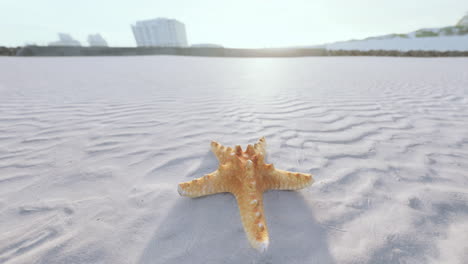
(92, 150)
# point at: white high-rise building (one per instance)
(96, 40)
(160, 32)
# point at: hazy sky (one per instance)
(240, 23)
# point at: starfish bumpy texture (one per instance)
(246, 175)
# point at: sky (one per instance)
(237, 24)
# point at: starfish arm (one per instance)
(285, 180)
(209, 184)
(260, 146)
(221, 152)
(253, 219)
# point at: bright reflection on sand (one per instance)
(264, 76)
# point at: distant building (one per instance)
(96, 40)
(206, 45)
(160, 32)
(464, 21)
(65, 40)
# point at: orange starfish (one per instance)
(246, 175)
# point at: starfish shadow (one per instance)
(209, 230)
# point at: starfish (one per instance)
(246, 175)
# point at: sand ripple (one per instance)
(90, 157)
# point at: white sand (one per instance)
(91, 150)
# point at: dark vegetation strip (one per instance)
(215, 52)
